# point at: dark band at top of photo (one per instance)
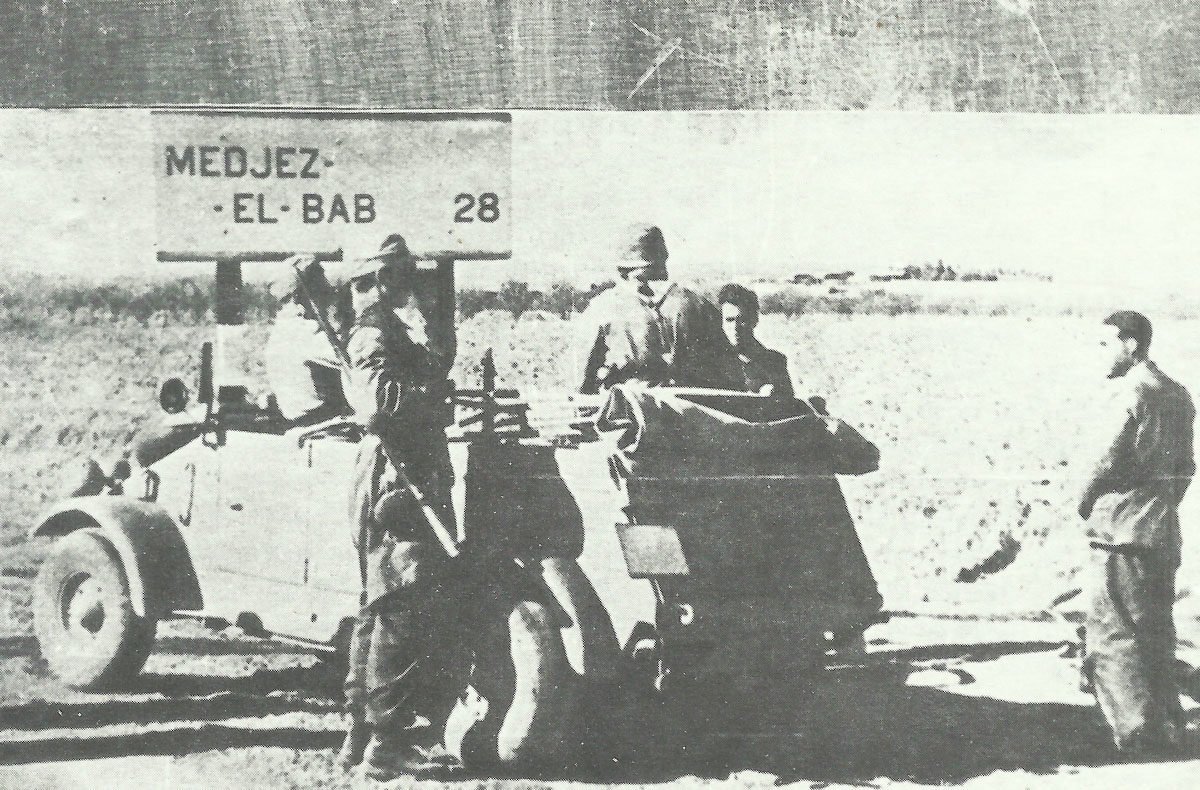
(1090, 56)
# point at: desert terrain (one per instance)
(970, 527)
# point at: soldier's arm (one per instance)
(320, 353)
(589, 352)
(783, 378)
(378, 387)
(1187, 464)
(1112, 466)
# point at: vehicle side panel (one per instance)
(189, 491)
(265, 494)
(333, 580)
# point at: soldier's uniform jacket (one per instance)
(762, 366)
(302, 367)
(397, 390)
(673, 337)
(1134, 492)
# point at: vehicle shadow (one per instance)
(170, 698)
(158, 698)
(861, 724)
(852, 725)
(25, 645)
(18, 646)
(179, 741)
(872, 725)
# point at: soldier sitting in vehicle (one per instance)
(763, 370)
(302, 366)
(650, 329)
(401, 684)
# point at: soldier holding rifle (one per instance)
(406, 652)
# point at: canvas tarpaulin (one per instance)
(750, 485)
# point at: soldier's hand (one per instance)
(436, 392)
(443, 390)
(302, 261)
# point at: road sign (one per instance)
(281, 182)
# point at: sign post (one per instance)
(286, 182)
(245, 186)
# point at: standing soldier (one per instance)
(405, 652)
(650, 329)
(1131, 503)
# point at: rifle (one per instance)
(447, 541)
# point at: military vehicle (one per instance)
(660, 537)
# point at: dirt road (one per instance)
(971, 703)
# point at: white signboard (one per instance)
(251, 184)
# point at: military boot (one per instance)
(355, 744)
(390, 757)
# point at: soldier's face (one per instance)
(1116, 354)
(364, 292)
(655, 271)
(738, 324)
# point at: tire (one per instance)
(519, 704)
(86, 627)
(590, 641)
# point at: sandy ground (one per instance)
(967, 703)
(975, 448)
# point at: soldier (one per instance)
(1131, 503)
(650, 329)
(302, 367)
(763, 370)
(405, 653)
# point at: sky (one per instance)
(1084, 199)
(1103, 200)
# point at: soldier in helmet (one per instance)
(651, 329)
(405, 652)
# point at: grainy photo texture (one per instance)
(346, 448)
(1051, 56)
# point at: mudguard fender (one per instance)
(152, 550)
(589, 639)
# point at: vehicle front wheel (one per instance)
(86, 627)
(520, 702)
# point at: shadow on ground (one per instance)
(864, 723)
(174, 698)
(852, 725)
(26, 645)
(195, 707)
(209, 737)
